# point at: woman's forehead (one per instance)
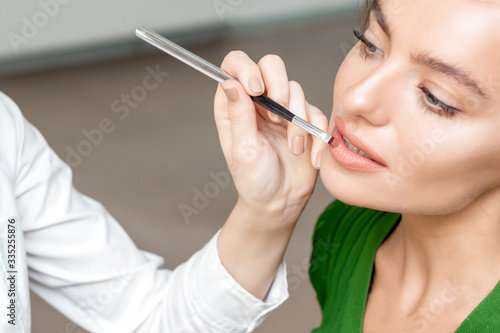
(397, 7)
(465, 33)
(456, 21)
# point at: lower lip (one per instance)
(349, 159)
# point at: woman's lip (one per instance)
(349, 159)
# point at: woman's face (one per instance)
(420, 93)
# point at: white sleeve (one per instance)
(83, 263)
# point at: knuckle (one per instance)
(238, 64)
(280, 96)
(233, 56)
(272, 60)
(244, 154)
(279, 93)
(319, 120)
(220, 103)
(317, 115)
(294, 85)
(313, 110)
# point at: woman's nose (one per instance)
(373, 97)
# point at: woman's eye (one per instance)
(433, 104)
(366, 48)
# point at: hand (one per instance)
(273, 162)
(270, 161)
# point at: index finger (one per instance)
(239, 65)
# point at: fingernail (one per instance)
(317, 159)
(297, 145)
(231, 94)
(273, 116)
(255, 85)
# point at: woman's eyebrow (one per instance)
(380, 17)
(452, 71)
(432, 63)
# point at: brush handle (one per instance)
(276, 108)
(272, 106)
(218, 75)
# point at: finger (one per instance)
(275, 78)
(241, 67)
(242, 117)
(222, 121)
(297, 137)
(318, 119)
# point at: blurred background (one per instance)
(75, 67)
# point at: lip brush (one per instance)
(218, 75)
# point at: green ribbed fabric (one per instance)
(345, 242)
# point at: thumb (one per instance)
(241, 114)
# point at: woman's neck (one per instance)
(425, 253)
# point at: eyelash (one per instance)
(367, 50)
(440, 108)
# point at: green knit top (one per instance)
(345, 242)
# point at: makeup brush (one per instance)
(218, 75)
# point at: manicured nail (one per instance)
(255, 85)
(273, 116)
(317, 159)
(297, 145)
(231, 94)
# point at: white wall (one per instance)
(46, 25)
(37, 27)
(257, 12)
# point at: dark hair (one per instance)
(365, 15)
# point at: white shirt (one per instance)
(69, 250)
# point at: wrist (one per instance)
(273, 215)
(252, 244)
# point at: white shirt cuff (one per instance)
(230, 307)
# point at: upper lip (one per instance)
(357, 142)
